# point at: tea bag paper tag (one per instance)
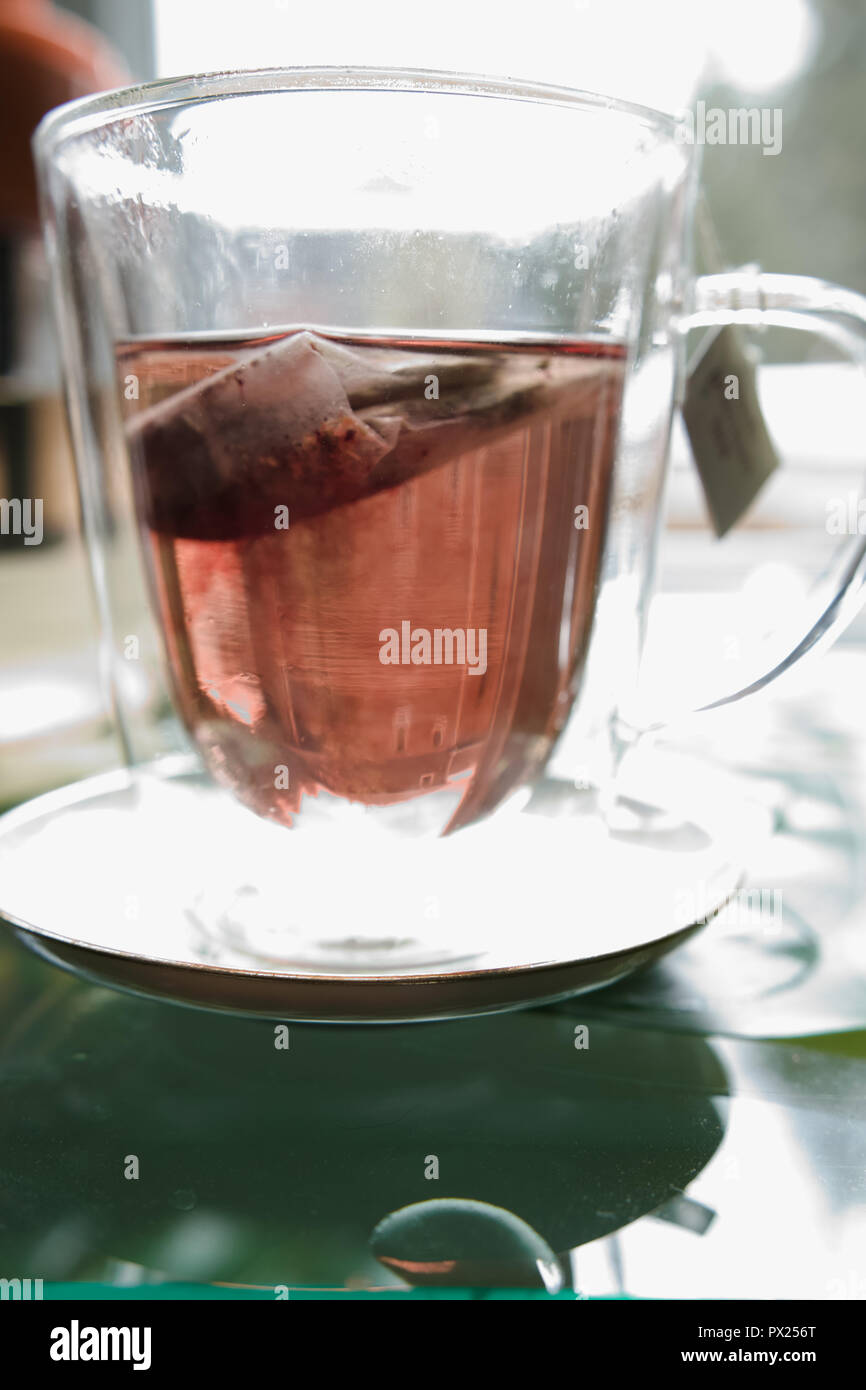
(732, 448)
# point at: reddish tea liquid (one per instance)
(305, 495)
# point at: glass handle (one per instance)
(794, 301)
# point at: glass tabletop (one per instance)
(141, 1143)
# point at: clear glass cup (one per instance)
(371, 376)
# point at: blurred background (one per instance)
(801, 210)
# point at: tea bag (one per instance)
(308, 424)
(731, 446)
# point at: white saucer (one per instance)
(156, 882)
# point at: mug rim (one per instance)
(89, 113)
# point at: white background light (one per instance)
(645, 52)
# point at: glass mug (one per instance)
(371, 376)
